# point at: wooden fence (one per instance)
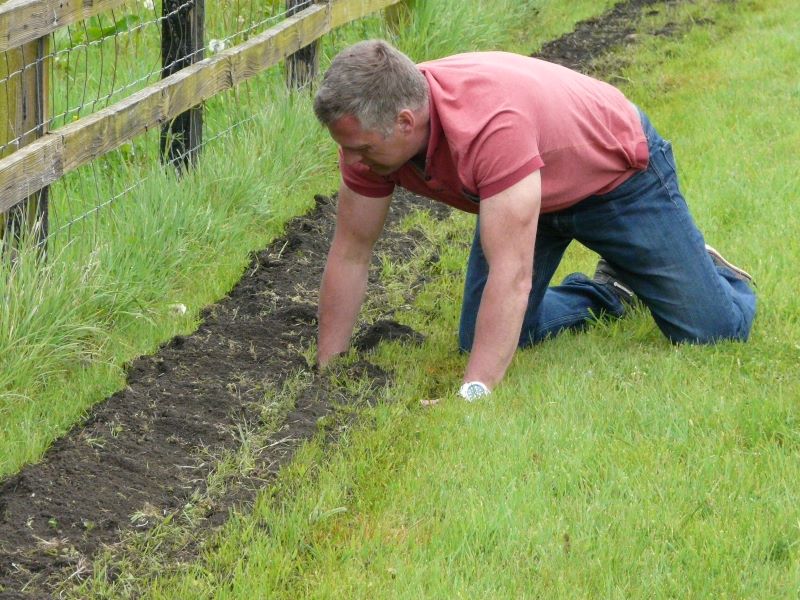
(171, 104)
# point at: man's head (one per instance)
(374, 101)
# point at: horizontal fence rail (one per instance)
(22, 21)
(45, 160)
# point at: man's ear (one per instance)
(405, 121)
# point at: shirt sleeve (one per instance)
(505, 152)
(361, 180)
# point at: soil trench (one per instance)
(144, 450)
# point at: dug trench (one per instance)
(143, 453)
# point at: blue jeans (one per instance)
(644, 230)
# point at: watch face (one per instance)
(474, 390)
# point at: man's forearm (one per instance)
(497, 330)
(341, 294)
(508, 222)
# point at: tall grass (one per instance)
(106, 293)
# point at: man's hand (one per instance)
(359, 222)
(508, 224)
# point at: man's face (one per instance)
(383, 155)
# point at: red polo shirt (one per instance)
(497, 117)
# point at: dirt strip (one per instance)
(147, 448)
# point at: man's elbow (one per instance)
(520, 277)
(515, 283)
(521, 286)
(352, 251)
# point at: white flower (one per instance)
(148, 4)
(177, 309)
(216, 46)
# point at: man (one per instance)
(543, 155)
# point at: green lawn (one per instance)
(609, 464)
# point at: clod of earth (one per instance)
(386, 330)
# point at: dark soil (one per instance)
(595, 37)
(145, 449)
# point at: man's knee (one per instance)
(732, 331)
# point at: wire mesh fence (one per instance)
(93, 63)
(100, 60)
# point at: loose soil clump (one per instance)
(145, 450)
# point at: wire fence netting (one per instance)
(94, 63)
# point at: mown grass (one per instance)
(610, 464)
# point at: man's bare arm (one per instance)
(359, 222)
(508, 223)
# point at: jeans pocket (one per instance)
(662, 161)
(669, 156)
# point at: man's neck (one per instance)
(418, 160)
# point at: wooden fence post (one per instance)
(302, 66)
(24, 110)
(182, 44)
(398, 15)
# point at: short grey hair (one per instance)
(372, 81)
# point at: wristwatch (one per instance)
(472, 390)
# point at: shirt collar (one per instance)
(435, 135)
